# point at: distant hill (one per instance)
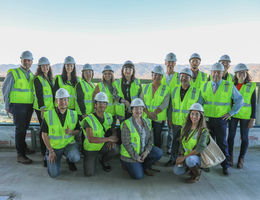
(143, 69)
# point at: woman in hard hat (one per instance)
(106, 85)
(194, 138)
(68, 80)
(126, 90)
(137, 150)
(43, 95)
(246, 115)
(84, 90)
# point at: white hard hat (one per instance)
(62, 93)
(69, 60)
(225, 57)
(27, 55)
(87, 66)
(197, 106)
(195, 55)
(240, 67)
(137, 102)
(107, 68)
(158, 70)
(217, 67)
(128, 62)
(101, 97)
(186, 70)
(171, 57)
(43, 61)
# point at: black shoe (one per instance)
(169, 163)
(106, 167)
(44, 162)
(226, 171)
(24, 159)
(29, 151)
(72, 166)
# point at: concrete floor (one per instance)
(32, 182)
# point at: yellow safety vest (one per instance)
(88, 95)
(246, 91)
(110, 106)
(180, 109)
(135, 137)
(200, 80)
(153, 102)
(57, 136)
(97, 130)
(174, 82)
(218, 104)
(47, 95)
(134, 89)
(22, 91)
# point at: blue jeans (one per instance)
(189, 162)
(136, 169)
(70, 151)
(244, 130)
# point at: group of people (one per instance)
(74, 112)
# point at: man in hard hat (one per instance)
(156, 98)
(100, 136)
(182, 97)
(59, 128)
(198, 77)
(18, 98)
(171, 79)
(221, 100)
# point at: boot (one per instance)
(23, 159)
(240, 163)
(106, 167)
(195, 175)
(72, 166)
(148, 172)
(231, 161)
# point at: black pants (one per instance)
(22, 114)
(157, 133)
(176, 142)
(43, 147)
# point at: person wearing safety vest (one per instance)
(106, 85)
(225, 61)
(217, 97)
(171, 79)
(100, 137)
(194, 139)
(67, 80)
(246, 115)
(137, 150)
(18, 97)
(43, 96)
(126, 90)
(182, 97)
(156, 98)
(198, 77)
(59, 128)
(84, 89)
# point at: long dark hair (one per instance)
(122, 73)
(247, 80)
(187, 126)
(64, 76)
(40, 73)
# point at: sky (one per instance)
(113, 31)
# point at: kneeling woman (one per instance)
(194, 139)
(137, 150)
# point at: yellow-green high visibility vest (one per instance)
(246, 91)
(57, 136)
(22, 91)
(88, 95)
(97, 130)
(153, 102)
(229, 77)
(134, 89)
(190, 142)
(174, 82)
(200, 80)
(180, 109)
(110, 106)
(47, 95)
(218, 104)
(70, 89)
(135, 137)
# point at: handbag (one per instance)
(212, 155)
